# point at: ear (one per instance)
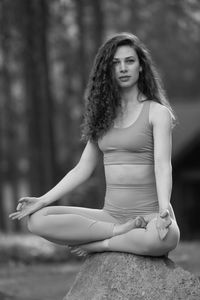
(140, 69)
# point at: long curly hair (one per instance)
(102, 96)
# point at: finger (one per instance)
(14, 217)
(19, 206)
(13, 214)
(168, 223)
(18, 215)
(23, 215)
(163, 223)
(162, 233)
(24, 199)
(164, 214)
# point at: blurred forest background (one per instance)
(46, 53)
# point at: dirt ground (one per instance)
(52, 281)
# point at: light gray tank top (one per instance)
(132, 144)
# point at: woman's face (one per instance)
(126, 66)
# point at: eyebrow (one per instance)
(116, 58)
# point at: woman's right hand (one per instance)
(27, 206)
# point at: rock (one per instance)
(123, 276)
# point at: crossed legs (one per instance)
(140, 241)
(68, 225)
(94, 230)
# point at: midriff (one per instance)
(129, 174)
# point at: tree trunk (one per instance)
(97, 35)
(40, 104)
(9, 157)
(81, 51)
(98, 24)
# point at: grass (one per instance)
(35, 269)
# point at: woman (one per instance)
(128, 118)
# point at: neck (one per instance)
(129, 97)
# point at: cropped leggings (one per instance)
(68, 225)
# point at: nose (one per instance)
(123, 67)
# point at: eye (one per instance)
(115, 62)
(130, 60)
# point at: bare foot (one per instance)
(78, 250)
(84, 249)
(138, 222)
(100, 246)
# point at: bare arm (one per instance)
(162, 132)
(79, 174)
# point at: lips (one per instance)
(124, 78)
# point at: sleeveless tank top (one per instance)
(132, 144)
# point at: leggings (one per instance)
(72, 225)
(68, 225)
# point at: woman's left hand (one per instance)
(162, 224)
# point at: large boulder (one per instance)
(123, 276)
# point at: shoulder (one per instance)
(159, 114)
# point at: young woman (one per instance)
(129, 119)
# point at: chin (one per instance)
(127, 85)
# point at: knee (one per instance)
(157, 247)
(35, 221)
(173, 237)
